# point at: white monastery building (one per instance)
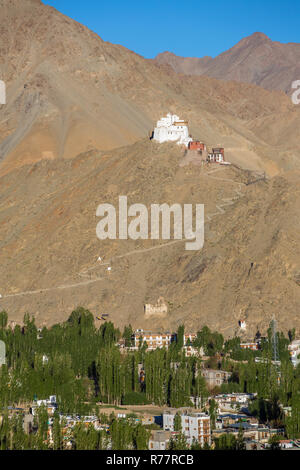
(172, 129)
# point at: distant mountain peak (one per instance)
(255, 38)
(259, 35)
(254, 59)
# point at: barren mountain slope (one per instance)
(249, 265)
(69, 92)
(74, 134)
(255, 59)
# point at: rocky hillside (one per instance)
(69, 92)
(74, 134)
(249, 265)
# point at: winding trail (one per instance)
(86, 273)
(49, 289)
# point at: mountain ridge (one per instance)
(68, 92)
(254, 59)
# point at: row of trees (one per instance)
(82, 364)
(122, 435)
(79, 363)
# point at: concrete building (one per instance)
(215, 378)
(200, 402)
(251, 432)
(194, 426)
(28, 423)
(189, 337)
(159, 440)
(233, 401)
(294, 349)
(50, 404)
(153, 340)
(191, 351)
(172, 129)
(226, 420)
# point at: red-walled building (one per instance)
(197, 145)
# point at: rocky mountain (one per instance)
(75, 133)
(248, 267)
(69, 92)
(255, 59)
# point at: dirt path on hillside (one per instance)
(225, 202)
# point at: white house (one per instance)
(50, 404)
(231, 401)
(294, 349)
(172, 129)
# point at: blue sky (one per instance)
(187, 27)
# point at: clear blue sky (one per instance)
(187, 27)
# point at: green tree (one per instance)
(178, 443)
(177, 422)
(240, 443)
(274, 442)
(213, 409)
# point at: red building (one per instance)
(197, 145)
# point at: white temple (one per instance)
(171, 128)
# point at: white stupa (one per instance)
(172, 129)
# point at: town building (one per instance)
(2, 353)
(159, 440)
(226, 420)
(216, 156)
(264, 360)
(232, 401)
(194, 426)
(286, 444)
(215, 378)
(190, 351)
(28, 423)
(294, 349)
(253, 432)
(189, 338)
(188, 347)
(200, 401)
(172, 129)
(153, 340)
(252, 346)
(50, 404)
